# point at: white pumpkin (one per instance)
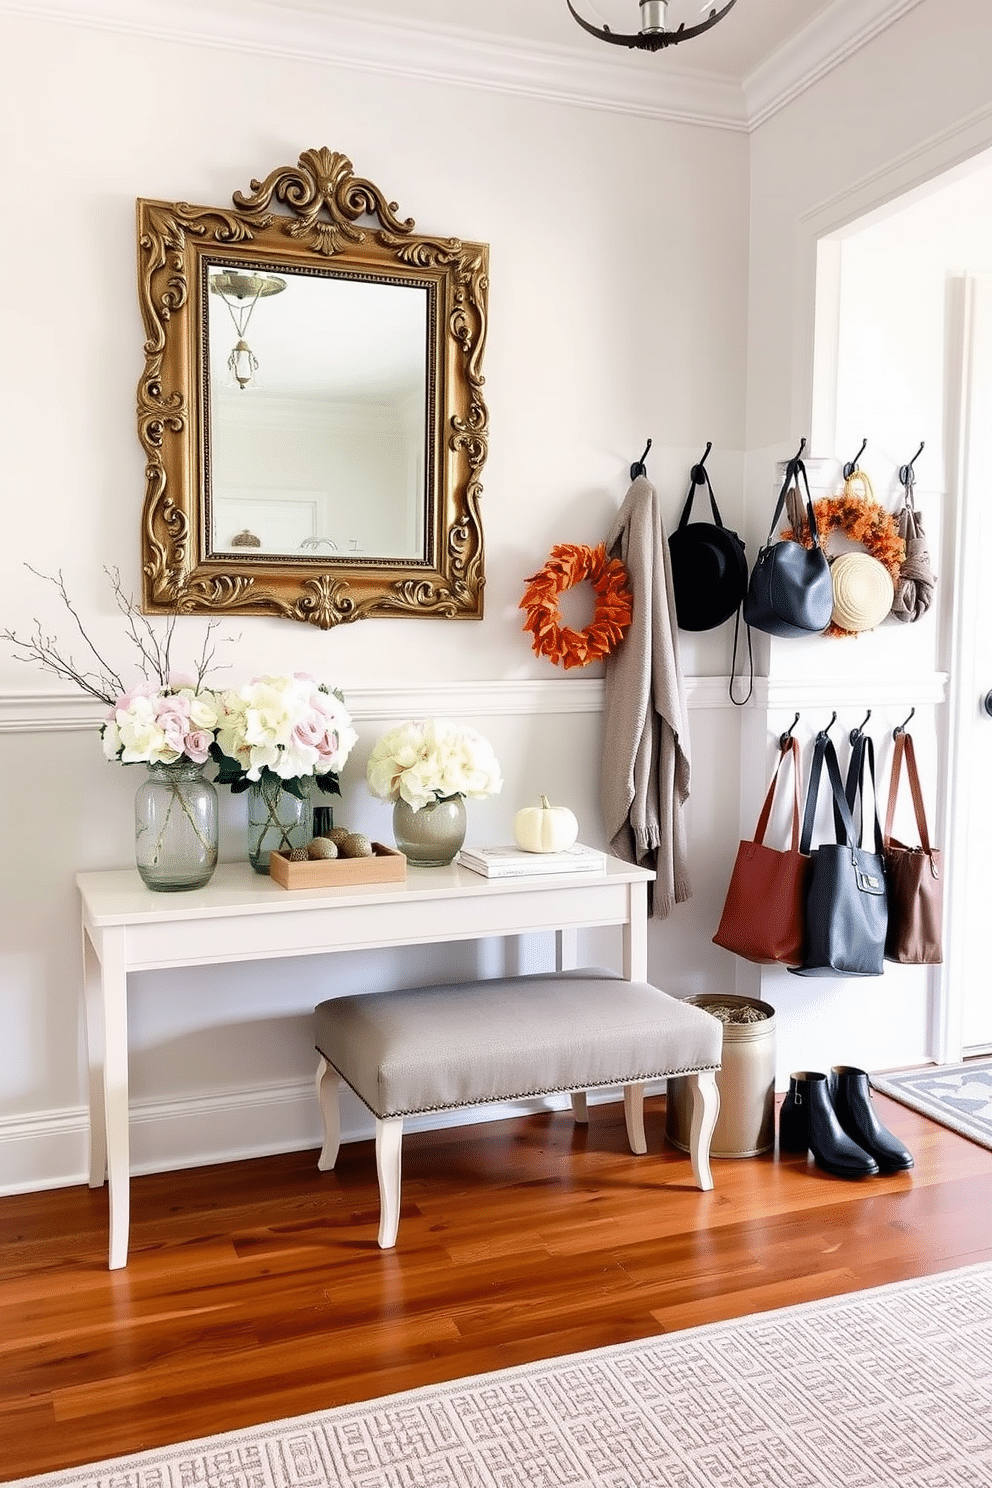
(545, 828)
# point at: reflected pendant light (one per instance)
(241, 293)
(654, 33)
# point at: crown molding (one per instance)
(339, 35)
(833, 36)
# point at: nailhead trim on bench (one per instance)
(495, 1100)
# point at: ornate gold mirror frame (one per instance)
(329, 231)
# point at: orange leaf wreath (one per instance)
(864, 522)
(568, 565)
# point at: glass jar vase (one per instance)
(175, 828)
(431, 837)
(278, 820)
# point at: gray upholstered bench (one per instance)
(424, 1049)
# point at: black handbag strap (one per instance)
(862, 760)
(739, 702)
(698, 477)
(793, 471)
(789, 750)
(824, 752)
(904, 749)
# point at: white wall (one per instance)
(639, 270)
(911, 104)
(617, 311)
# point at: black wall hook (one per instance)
(907, 474)
(830, 725)
(697, 473)
(852, 465)
(856, 733)
(901, 728)
(639, 467)
(785, 739)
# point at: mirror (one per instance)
(311, 408)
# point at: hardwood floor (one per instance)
(256, 1290)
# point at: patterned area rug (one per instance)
(956, 1095)
(889, 1386)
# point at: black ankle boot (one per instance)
(850, 1091)
(808, 1122)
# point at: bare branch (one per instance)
(40, 650)
(102, 681)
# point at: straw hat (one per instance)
(863, 591)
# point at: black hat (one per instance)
(709, 569)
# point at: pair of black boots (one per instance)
(835, 1120)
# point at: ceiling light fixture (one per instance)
(653, 34)
(241, 293)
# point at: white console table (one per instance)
(243, 916)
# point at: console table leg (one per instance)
(115, 1093)
(93, 1017)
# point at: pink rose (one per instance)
(139, 690)
(197, 745)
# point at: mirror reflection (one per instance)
(317, 411)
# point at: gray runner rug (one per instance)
(888, 1386)
(955, 1095)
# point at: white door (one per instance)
(967, 971)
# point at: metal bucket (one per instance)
(745, 1126)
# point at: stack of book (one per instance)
(514, 862)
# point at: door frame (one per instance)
(968, 448)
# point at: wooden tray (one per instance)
(385, 866)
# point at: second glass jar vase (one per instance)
(431, 837)
(278, 820)
(175, 828)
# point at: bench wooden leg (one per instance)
(388, 1162)
(328, 1086)
(633, 1112)
(580, 1106)
(705, 1109)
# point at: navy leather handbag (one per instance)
(789, 592)
(846, 902)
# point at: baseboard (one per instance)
(51, 1149)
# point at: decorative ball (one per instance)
(338, 834)
(322, 847)
(298, 854)
(355, 845)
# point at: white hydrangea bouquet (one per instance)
(294, 731)
(432, 760)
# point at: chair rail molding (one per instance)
(71, 712)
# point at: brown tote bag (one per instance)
(914, 876)
(764, 914)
